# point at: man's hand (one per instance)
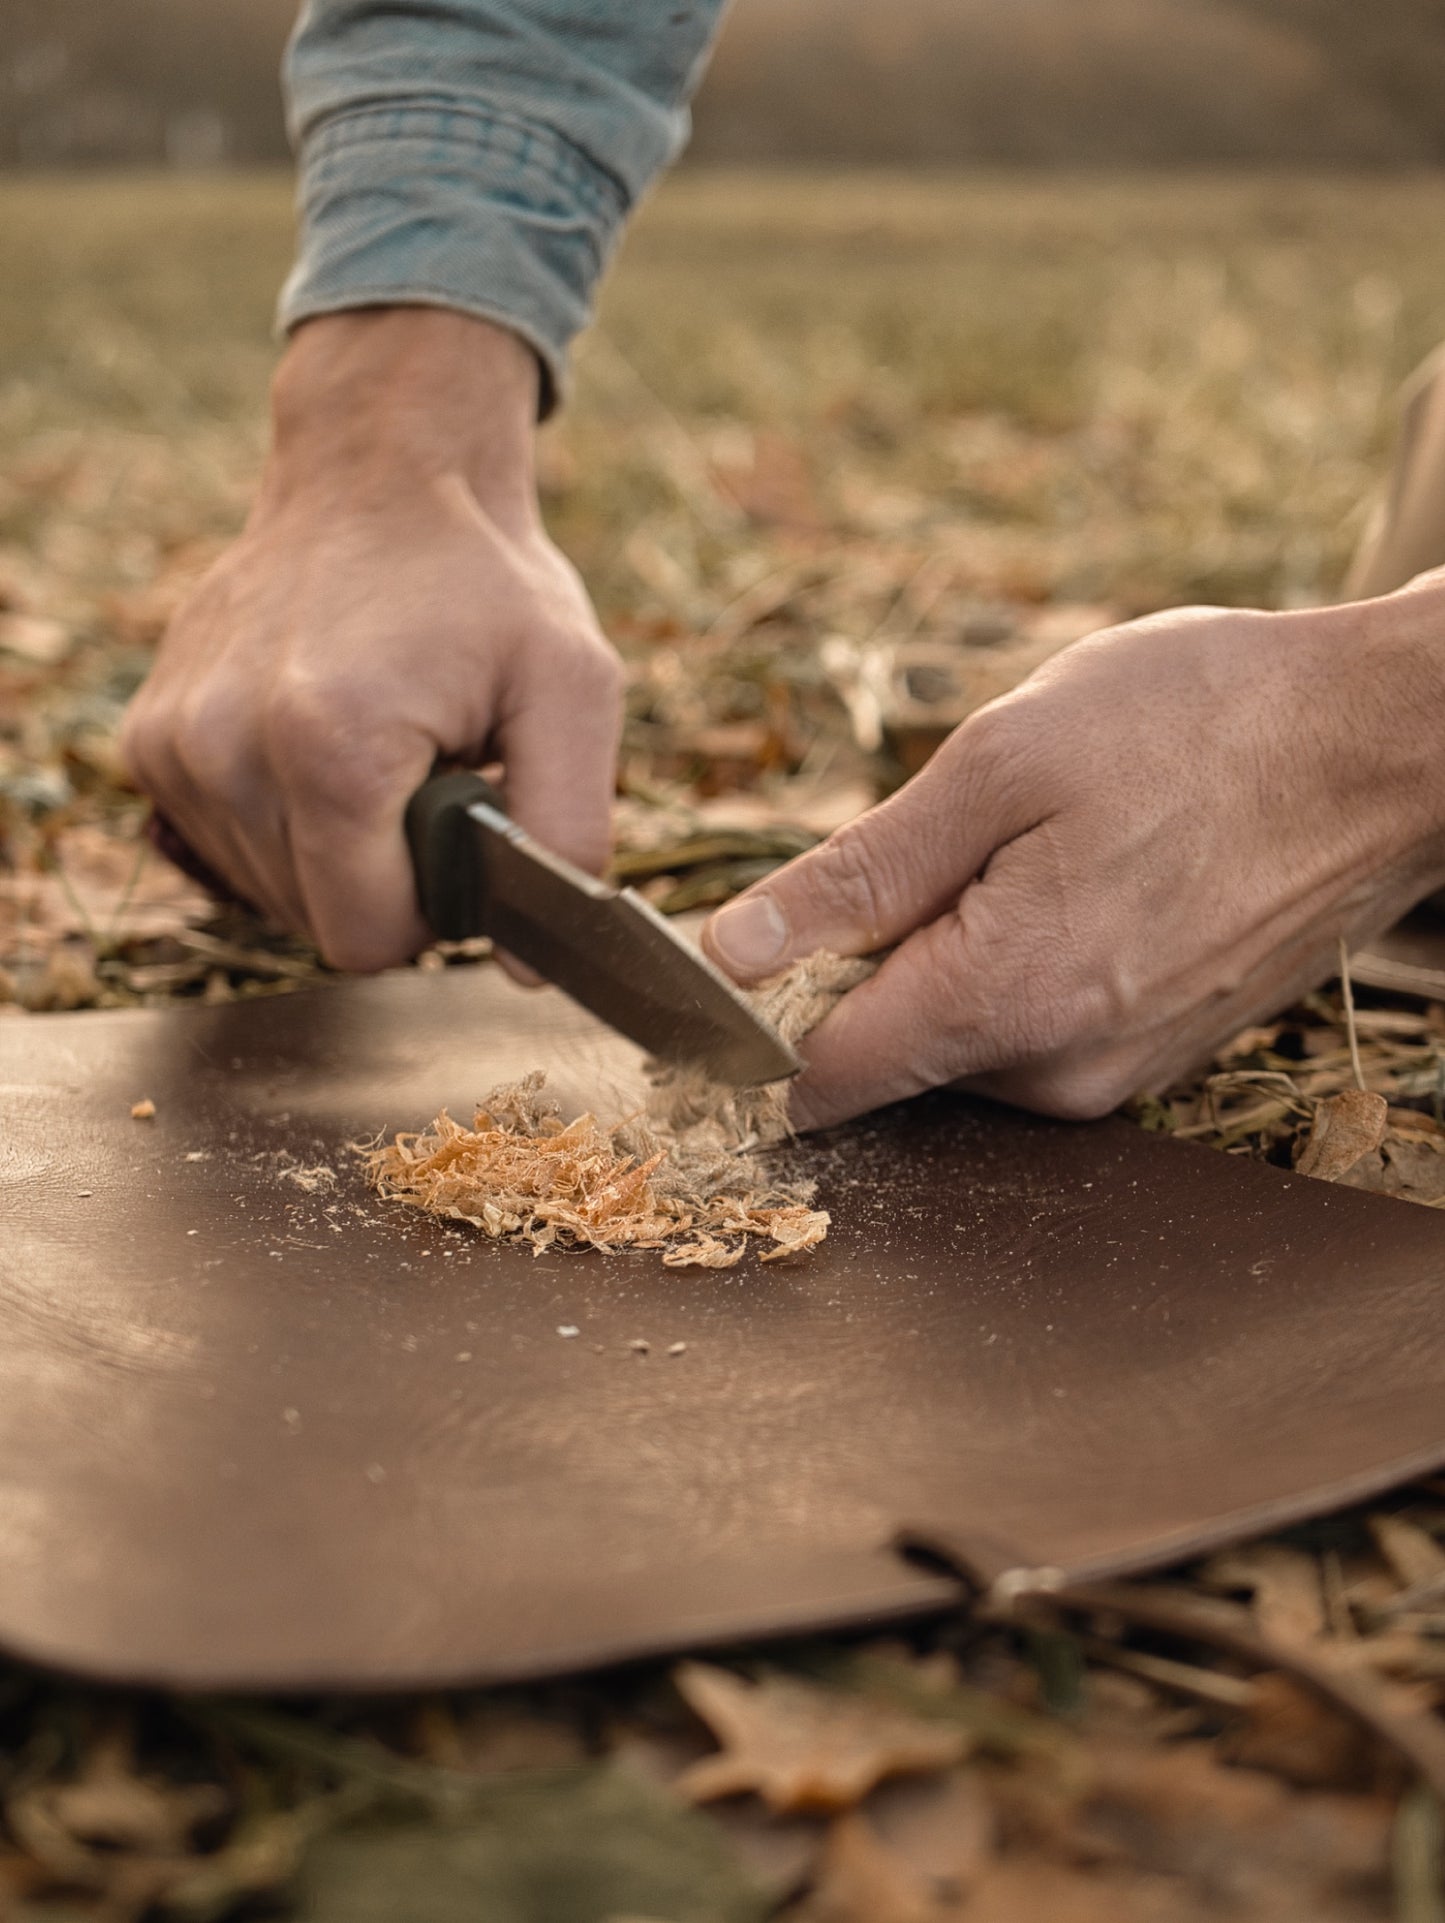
(1155, 841)
(393, 598)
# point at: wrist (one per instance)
(1385, 666)
(383, 401)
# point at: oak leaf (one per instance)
(800, 1747)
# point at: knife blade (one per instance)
(478, 873)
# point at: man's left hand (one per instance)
(1158, 839)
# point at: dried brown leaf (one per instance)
(1290, 1733)
(1409, 1164)
(800, 1747)
(862, 1880)
(34, 638)
(102, 885)
(1414, 1556)
(942, 1826)
(1346, 1127)
(1285, 1587)
(75, 1828)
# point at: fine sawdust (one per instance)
(692, 1179)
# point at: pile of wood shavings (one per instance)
(691, 1181)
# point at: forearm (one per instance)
(482, 155)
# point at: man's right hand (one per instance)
(393, 599)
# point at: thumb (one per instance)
(882, 876)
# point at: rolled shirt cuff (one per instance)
(439, 206)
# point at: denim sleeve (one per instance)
(482, 154)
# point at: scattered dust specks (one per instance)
(311, 1179)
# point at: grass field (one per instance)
(1123, 389)
(815, 407)
(816, 410)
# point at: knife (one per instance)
(478, 873)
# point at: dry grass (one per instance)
(844, 407)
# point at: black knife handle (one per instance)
(443, 852)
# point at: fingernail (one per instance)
(749, 935)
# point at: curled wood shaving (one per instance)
(687, 1180)
(521, 1172)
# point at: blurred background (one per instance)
(191, 82)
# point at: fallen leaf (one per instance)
(1346, 1127)
(1027, 1891)
(768, 477)
(1408, 1164)
(128, 1812)
(862, 1880)
(1289, 1732)
(111, 1824)
(65, 980)
(1201, 1813)
(942, 1826)
(1173, 1834)
(800, 1747)
(1412, 1553)
(105, 886)
(1286, 1593)
(139, 616)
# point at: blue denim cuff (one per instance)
(439, 206)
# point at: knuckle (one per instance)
(206, 739)
(1001, 752)
(303, 718)
(1063, 1009)
(590, 667)
(143, 741)
(325, 743)
(846, 883)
